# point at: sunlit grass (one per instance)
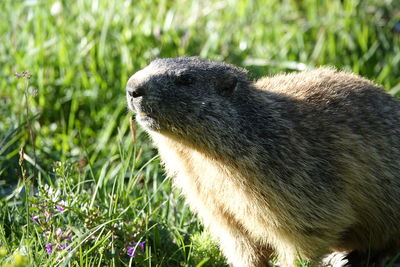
(80, 54)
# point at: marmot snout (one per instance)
(297, 164)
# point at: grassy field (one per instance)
(77, 188)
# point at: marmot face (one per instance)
(181, 86)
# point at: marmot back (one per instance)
(297, 164)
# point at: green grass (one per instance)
(75, 130)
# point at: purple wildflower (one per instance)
(59, 232)
(63, 246)
(60, 206)
(49, 248)
(68, 237)
(131, 250)
(64, 235)
(47, 215)
(35, 218)
(141, 245)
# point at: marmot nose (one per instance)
(136, 92)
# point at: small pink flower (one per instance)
(35, 218)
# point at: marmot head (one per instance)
(176, 95)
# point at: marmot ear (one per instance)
(227, 85)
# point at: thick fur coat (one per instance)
(300, 164)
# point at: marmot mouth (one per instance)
(147, 121)
(142, 114)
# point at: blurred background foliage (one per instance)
(80, 54)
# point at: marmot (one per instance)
(295, 165)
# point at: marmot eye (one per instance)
(184, 79)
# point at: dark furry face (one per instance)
(174, 94)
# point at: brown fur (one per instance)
(297, 164)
